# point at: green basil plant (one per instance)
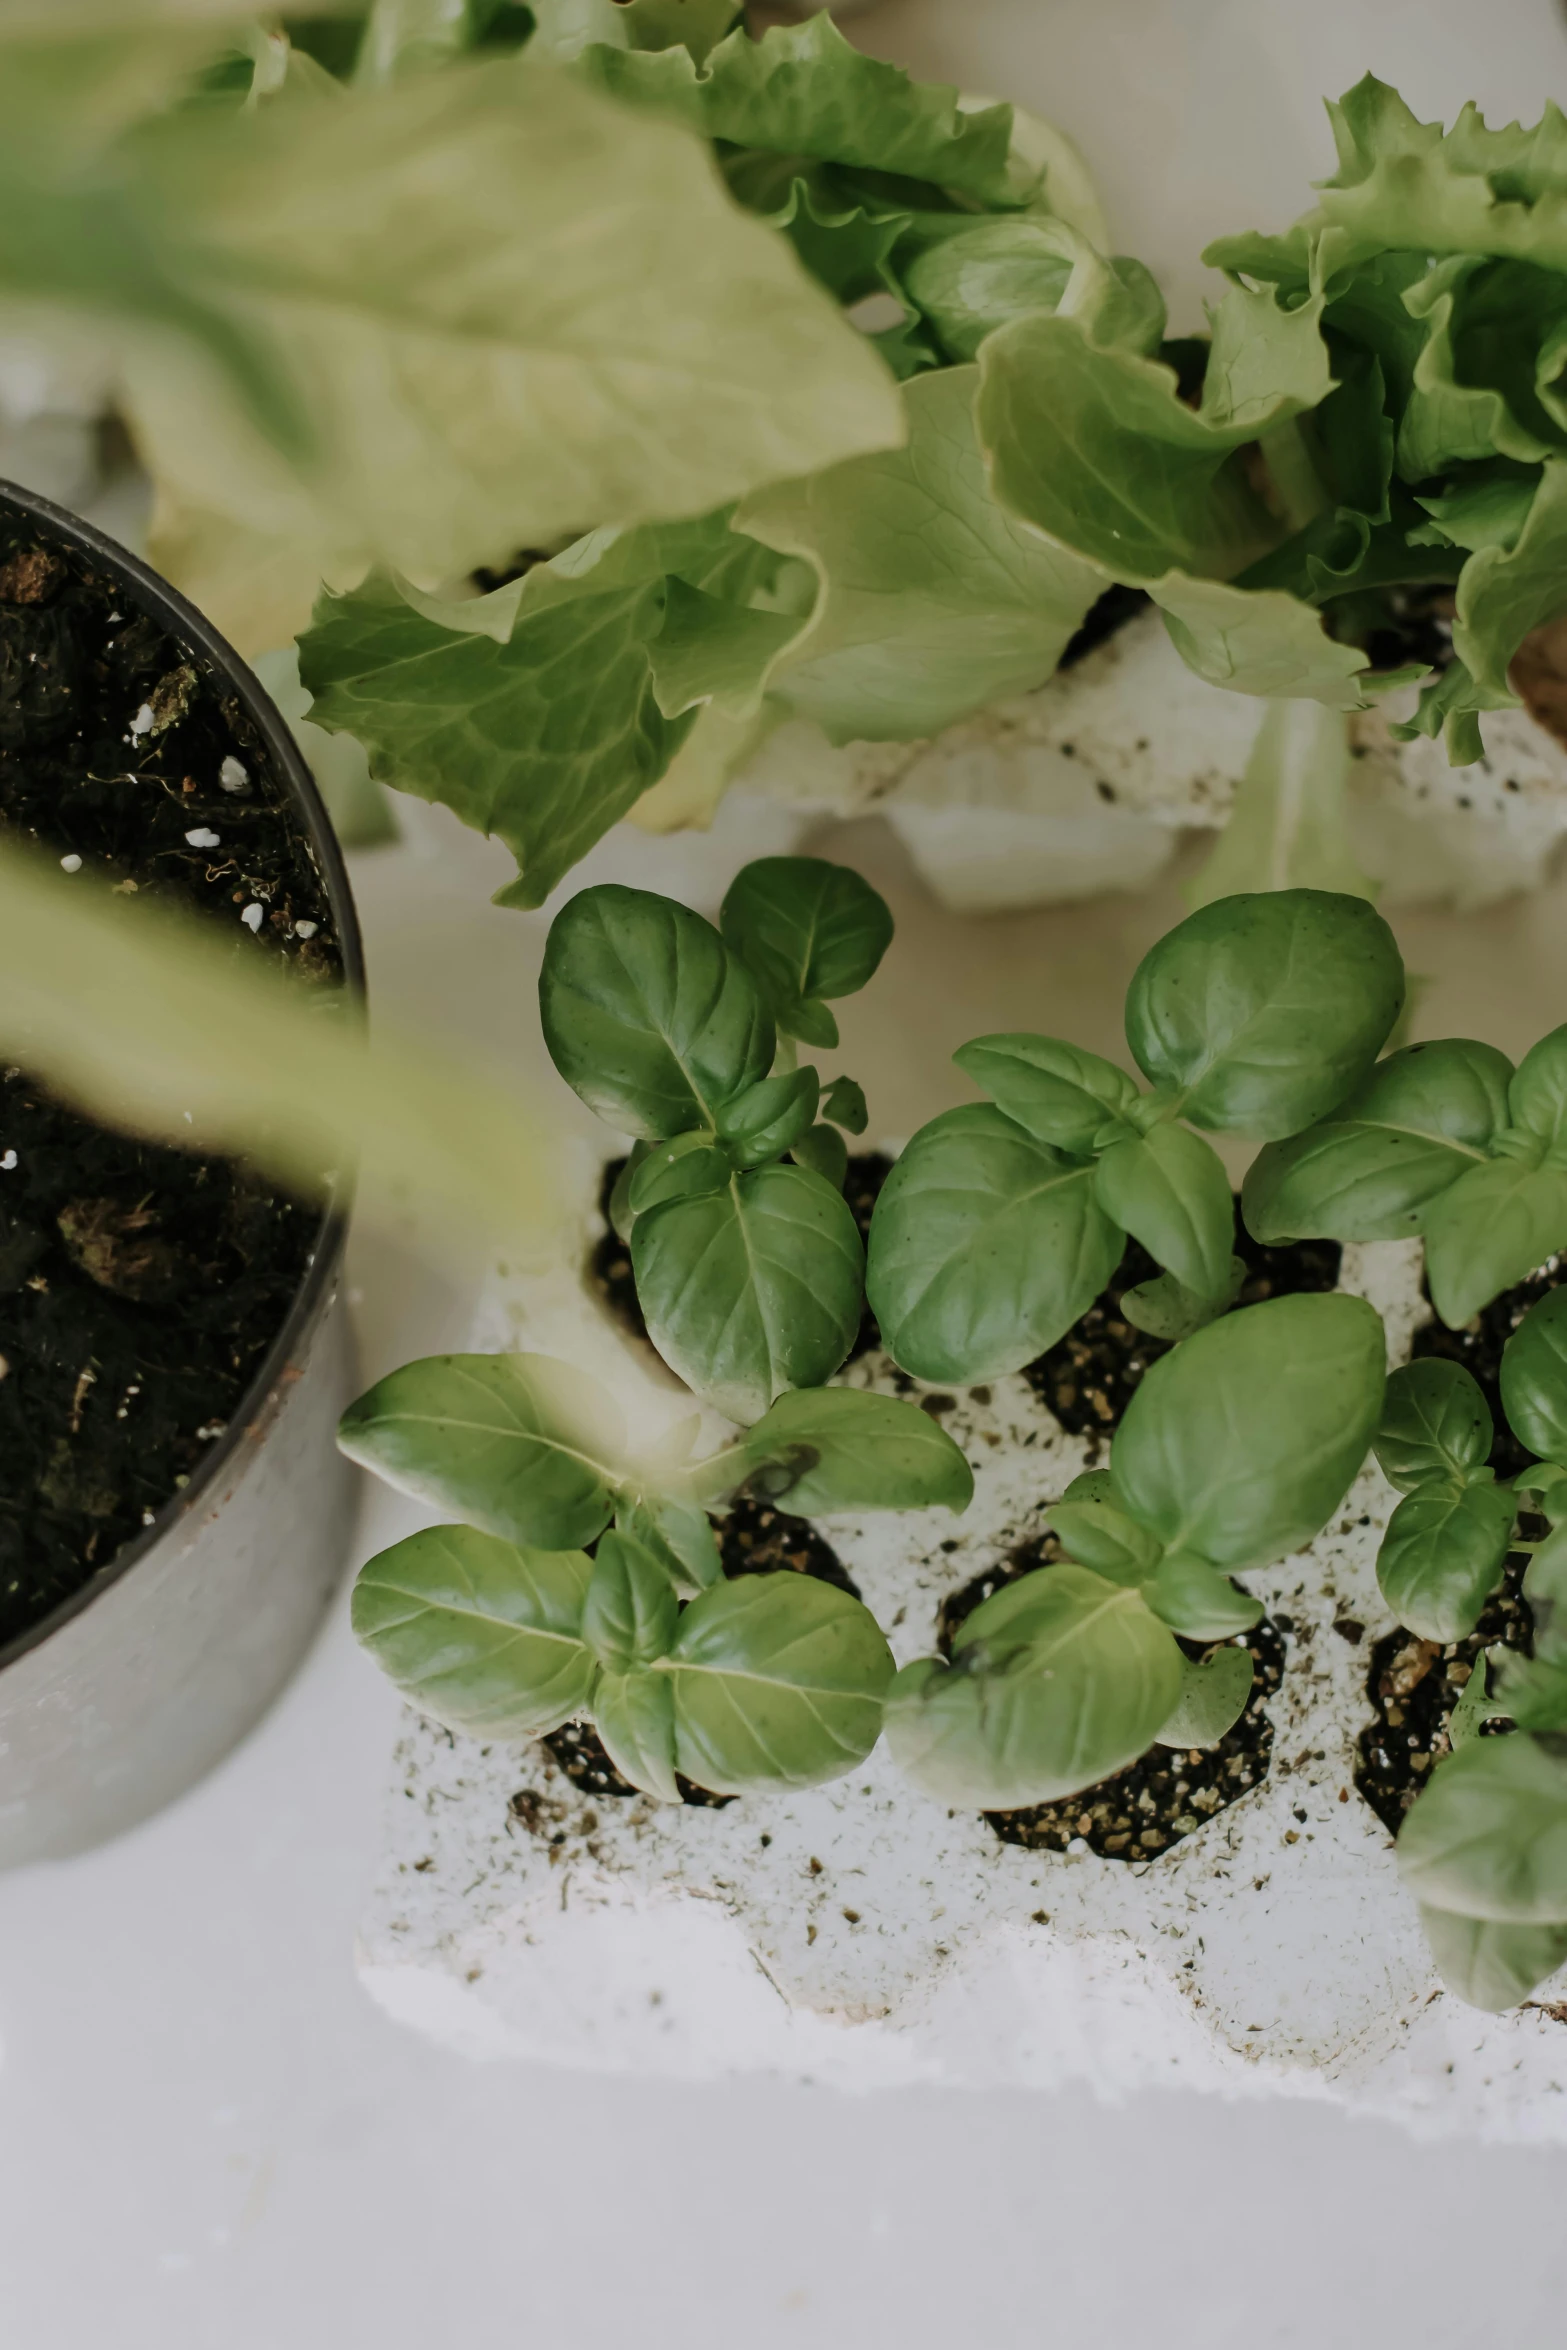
(1447, 1140)
(748, 1263)
(503, 1625)
(1003, 1221)
(1484, 1849)
(1236, 1449)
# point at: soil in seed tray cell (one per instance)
(1478, 1346)
(139, 1287)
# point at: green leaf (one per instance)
(1489, 1965)
(778, 1681)
(1442, 1557)
(520, 1444)
(1099, 1535)
(1215, 1691)
(933, 601)
(1195, 1600)
(477, 1633)
(646, 1013)
(630, 1612)
(1488, 1836)
(842, 1448)
(1488, 1230)
(1259, 639)
(1167, 1309)
(985, 1248)
(1419, 1121)
(1289, 828)
(1532, 1691)
(1537, 1095)
(1242, 1443)
(971, 276)
(770, 1117)
(1168, 1188)
(565, 27)
(1056, 1681)
(687, 1167)
(634, 1714)
(754, 1289)
(1545, 1589)
(805, 928)
(679, 1536)
(845, 1104)
(1263, 1012)
(1435, 1424)
(824, 1152)
(1056, 1092)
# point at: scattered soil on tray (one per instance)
(1168, 1792)
(1088, 1378)
(139, 1287)
(1478, 1346)
(1414, 1684)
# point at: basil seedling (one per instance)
(504, 1627)
(1002, 1221)
(747, 1261)
(1236, 1449)
(1447, 1140)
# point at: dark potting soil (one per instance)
(1168, 1792)
(1114, 609)
(1414, 1684)
(1400, 626)
(139, 1287)
(1478, 1346)
(753, 1539)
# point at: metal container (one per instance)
(147, 1676)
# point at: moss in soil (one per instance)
(1478, 1346)
(139, 1287)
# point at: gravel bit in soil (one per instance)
(1168, 1792)
(1090, 1376)
(139, 1287)
(1478, 1346)
(1414, 1684)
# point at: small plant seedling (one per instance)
(1236, 1450)
(1002, 1221)
(1484, 1849)
(748, 1264)
(1446, 1140)
(504, 1626)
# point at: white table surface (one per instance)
(211, 2140)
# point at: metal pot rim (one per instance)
(183, 622)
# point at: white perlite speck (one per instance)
(252, 916)
(306, 929)
(71, 864)
(204, 837)
(232, 775)
(143, 722)
(7, 1161)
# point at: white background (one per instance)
(210, 2140)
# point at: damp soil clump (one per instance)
(1414, 1684)
(140, 1287)
(1478, 1346)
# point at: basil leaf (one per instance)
(1057, 1680)
(841, 1448)
(686, 1168)
(1195, 1600)
(812, 1023)
(778, 1681)
(1421, 1119)
(1167, 1309)
(1435, 1423)
(844, 1103)
(634, 1714)
(621, 1213)
(1242, 1443)
(1489, 1965)
(1532, 1690)
(1215, 1690)
(478, 1633)
(770, 1117)
(1099, 1535)
(646, 1014)
(805, 928)
(1545, 1589)
(823, 1151)
(1442, 1557)
(1488, 1231)
(1056, 1092)
(1263, 1011)
(1476, 1706)
(754, 1289)
(985, 1247)
(1488, 1836)
(1534, 1378)
(1169, 1189)
(678, 1535)
(1537, 1096)
(630, 1613)
(522, 1445)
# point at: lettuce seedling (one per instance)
(748, 1264)
(504, 1626)
(1236, 1450)
(1002, 1222)
(1447, 1140)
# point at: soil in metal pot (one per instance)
(753, 1539)
(1414, 1684)
(139, 1287)
(1478, 1346)
(1168, 1792)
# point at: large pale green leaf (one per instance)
(933, 599)
(521, 1445)
(1056, 1681)
(1263, 640)
(778, 1680)
(1488, 1837)
(1490, 1965)
(1436, 1425)
(840, 1448)
(1242, 1443)
(1488, 1230)
(752, 1289)
(1442, 1556)
(985, 1247)
(477, 1633)
(1534, 1378)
